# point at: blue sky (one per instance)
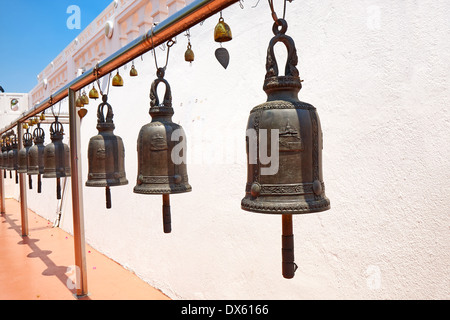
(33, 33)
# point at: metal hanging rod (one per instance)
(174, 25)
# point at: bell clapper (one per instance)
(289, 266)
(39, 190)
(58, 188)
(108, 198)
(30, 182)
(167, 220)
(17, 178)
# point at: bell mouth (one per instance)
(285, 207)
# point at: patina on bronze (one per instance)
(57, 156)
(13, 156)
(106, 154)
(297, 187)
(23, 155)
(36, 156)
(159, 172)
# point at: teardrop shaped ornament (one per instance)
(223, 57)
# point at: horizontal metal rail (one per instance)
(175, 24)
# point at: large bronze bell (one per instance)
(290, 181)
(23, 155)
(106, 154)
(13, 156)
(36, 164)
(57, 156)
(5, 148)
(161, 165)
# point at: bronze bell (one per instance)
(161, 167)
(106, 154)
(93, 94)
(5, 154)
(189, 54)
(84, 98)
(222, 32)
(79, 102)
(23, 155)
(133, 71)
(13, 156)
(57, 156)
(117, 81)
(291, 181)
(3, 160)
(36, 164)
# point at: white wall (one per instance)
(378, 73)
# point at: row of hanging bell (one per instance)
(297, 186)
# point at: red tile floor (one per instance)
(40, 266)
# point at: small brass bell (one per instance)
(161, 169)
(106, 154)
(13, 156)
(42, 117)
(36, 165)
(133, 71)
(23, 154)
(93, 94)
(189, 54)
(117, 80)
(57, 156)
(290, 181)
(85, 98)
(222, 32)
(79, 102)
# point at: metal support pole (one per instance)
(23, 188)
(2, 192)
(77, 198)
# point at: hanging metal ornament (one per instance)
(13, 156)
(106, 154)
(57, 156)
(5, 155)
(85, 98)
(36, 165)
(23, 154)
(79, 102)
(222, 33)
(133, 71)
(93, 94)
(189, 54)
(3, 163)
(296, 186)
(161, 156)
(117, 80)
